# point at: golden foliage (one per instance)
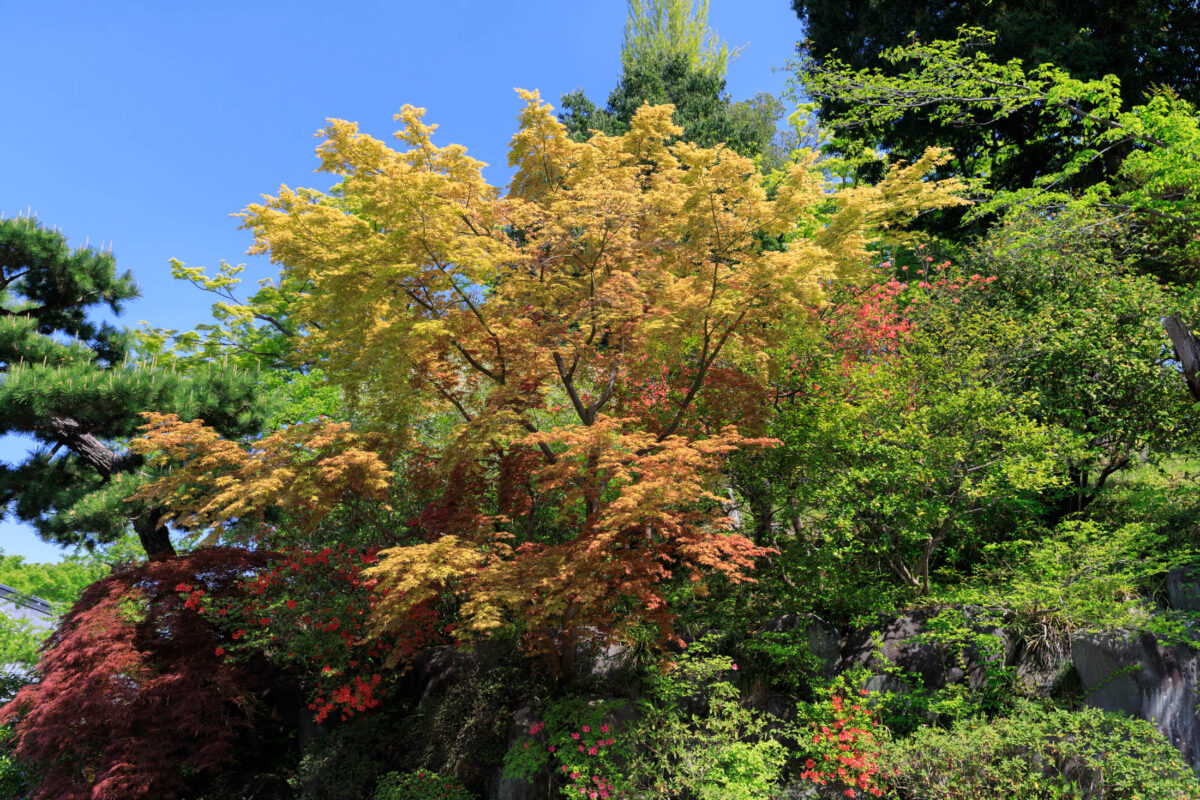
(610, 314)
(305, 469)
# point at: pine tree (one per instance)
(71, 384)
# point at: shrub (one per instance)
(135, 698)
(420, 785)
(842, 738)
(1042, 752)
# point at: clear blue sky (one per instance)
(146, 124)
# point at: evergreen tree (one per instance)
(70, 383)
(671, 56)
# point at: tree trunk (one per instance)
(153, 534)
(1187, 350)
(151, 530)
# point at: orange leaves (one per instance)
(305, 469)
(569, 357)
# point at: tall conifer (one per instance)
(71, 384)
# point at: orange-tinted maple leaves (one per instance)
(575, 354)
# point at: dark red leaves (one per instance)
(135, 693)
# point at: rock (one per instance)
(435, 669)
(1043, 667)
(601, 662)
(904, 641)
(502, 787)
(1133, 673)
(1183, 588)
(824, 640)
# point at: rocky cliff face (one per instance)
(1136, 674)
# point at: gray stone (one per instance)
(1183, 588)
(601, 661)
(824, 640)
(1135, 674)
(899, 641)
(502, 787)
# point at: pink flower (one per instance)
(586, 729)
(735, 667)
(591, 750)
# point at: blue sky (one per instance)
(146, 124)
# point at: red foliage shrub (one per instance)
(133, 696)
(306, 611)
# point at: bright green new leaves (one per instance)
(254, 332)
(657, 28)
(1143, 162)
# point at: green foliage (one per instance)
(1086, 576)
(19, 644)
(256, 331)
(1095, 356)
(1041, 752)
(58, 583)
(16, 778)
(674, 27)
(420, 785)
(967, 641)
(671, 56)
(1137, 162)
(841, 739)
(690, 736)
(910, 452)
(783, 658)
(580, 744)
(696, 738)
(1144, 44)
(69, 383)
(702, 108)
(1161, 495)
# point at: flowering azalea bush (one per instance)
(306, 610)
(579, 744)
(844, 740)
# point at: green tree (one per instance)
(908, 444)
(671, 56)
(73, 386)
(1129, 176)
(1144, 44)
(1100, 364)
(674, 27)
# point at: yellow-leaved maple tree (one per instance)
(591, 341)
